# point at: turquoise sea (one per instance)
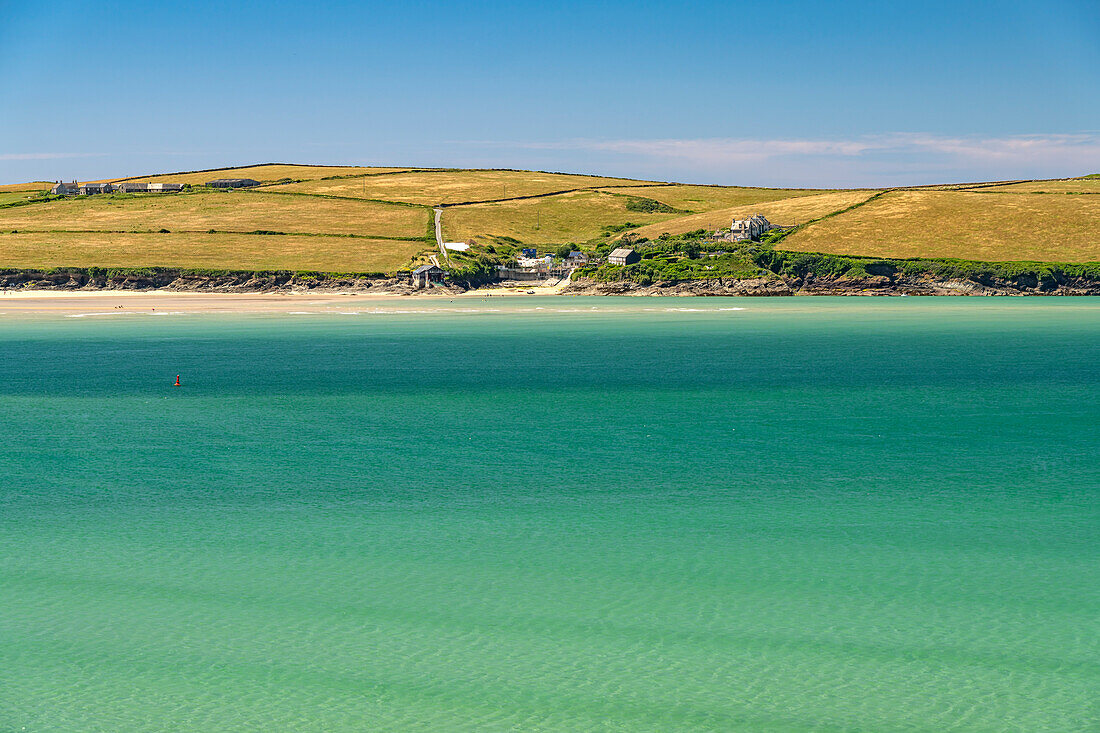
(554, 514)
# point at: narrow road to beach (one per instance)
(439, 233)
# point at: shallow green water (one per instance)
(555, 514)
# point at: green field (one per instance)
(348, 219)
(570, 217)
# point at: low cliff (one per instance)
(897, 284)
(216, 281)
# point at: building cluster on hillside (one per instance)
(90, 189)
(531, 266)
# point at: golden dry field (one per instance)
(451, 186)
(708, 198)
(786, 212)
(570, 217)
(26, 187)
(387, 211)
(1075, 185)
(962, 224)
(237, 211)
(215, 251)
(262, 173)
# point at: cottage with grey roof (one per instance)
(90, 189)
(623, 256)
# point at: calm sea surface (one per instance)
(555, 514)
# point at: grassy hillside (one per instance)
(233, 211)
(452, 186)
(967, 225)
(262, 173)
(571, 217)
(32, 187)
(1075, 185)
(13, 193)
(354, 219)
(221, 251)
(696, 199)
(784, 212)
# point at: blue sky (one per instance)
(753, 93)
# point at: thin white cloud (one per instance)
(907, 158)
(1020, 147)
(48, 156)
(1081, 147)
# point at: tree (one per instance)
(563, 251)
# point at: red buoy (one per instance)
(177, 381)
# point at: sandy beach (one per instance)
(110, 302)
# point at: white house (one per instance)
(536, 263)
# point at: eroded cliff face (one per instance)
(227, 282)
(259, 282)
(872, 285)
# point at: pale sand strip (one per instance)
(115, 302)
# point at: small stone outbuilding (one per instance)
(233, 183)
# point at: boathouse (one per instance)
(425, 275)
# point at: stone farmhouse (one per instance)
(752, 228)
(65, 189)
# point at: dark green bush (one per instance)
(649, 206)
